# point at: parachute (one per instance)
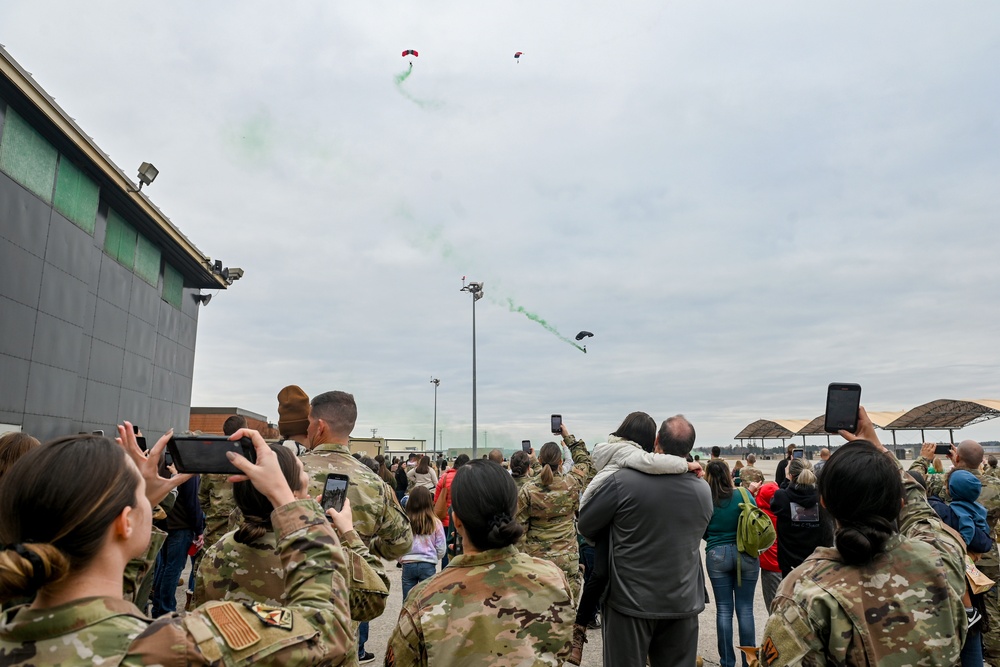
(517, 56)
(583, 334)
(410, 52)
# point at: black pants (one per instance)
(666, 641)
(594, 585)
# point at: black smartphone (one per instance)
(798, 453)
(334, 491)
(842, 402)
(942, 450)
(556, 424)
(97, 432)
(207, 454)
(526, 446)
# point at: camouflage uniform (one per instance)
(112, 631)
(498, 607)
(231, 570)
(216, 497)
(378, 518)
(989, 564)
(905, 608)
(549, 514)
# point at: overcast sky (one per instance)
(742, 201)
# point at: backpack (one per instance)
(754, 531)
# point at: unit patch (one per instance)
(276, 617)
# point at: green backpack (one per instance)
(754, 532)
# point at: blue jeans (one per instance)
(414, 573)
(362, 638)
(169, 564)
(720, 562)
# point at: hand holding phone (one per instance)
(842, 402)
(335, 491)
(526, 446)
(556, 424)
(798, 453)
(208, 454)
(942, 450)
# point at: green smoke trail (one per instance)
(514, 308)
(423, 104)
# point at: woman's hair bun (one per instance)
(24, 568)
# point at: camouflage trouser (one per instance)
(569, 563)
(991, 639)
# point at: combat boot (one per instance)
(576, 650)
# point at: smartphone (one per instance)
(334, 491)
(842, 402)
(556, 424)
(141, 441)
(526, 446)
(97, 432)
(135, 429)
(942, 450)
(798, 453)
(207, 454)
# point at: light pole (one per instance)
(435, 382)
(476, 290)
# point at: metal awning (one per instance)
(946, 414)
(772, 428)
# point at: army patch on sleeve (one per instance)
(276, 617)
(234, 629)
(770, 651)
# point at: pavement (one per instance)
(381, 628)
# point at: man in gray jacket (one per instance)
(657, 586)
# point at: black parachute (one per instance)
(584, 334)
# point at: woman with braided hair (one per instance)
(492, 605)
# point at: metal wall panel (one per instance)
(20, 274)
(17, 329)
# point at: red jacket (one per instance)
(444, 483)
(769, 559)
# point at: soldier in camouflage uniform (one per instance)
(902, 604)
(492, 605)
(378, 518)
(548, 511)
(969, 456)
(244, 566)
(79, 617)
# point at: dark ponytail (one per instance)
(862, 490)
(550, 456)
(484, 498)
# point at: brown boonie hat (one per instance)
(293, 411)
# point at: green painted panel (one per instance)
(27, 157)
(147, 261)
(120, 240)
(173, 286)
(113, 234)
(76, 195)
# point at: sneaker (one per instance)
(974, 616)
(366, 657)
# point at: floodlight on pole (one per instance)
(435, 382)
(476, 290)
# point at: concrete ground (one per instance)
(381, 628)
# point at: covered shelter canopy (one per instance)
(771, 428)
(946, 414)
(880, 419)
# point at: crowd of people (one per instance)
(502, 562)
